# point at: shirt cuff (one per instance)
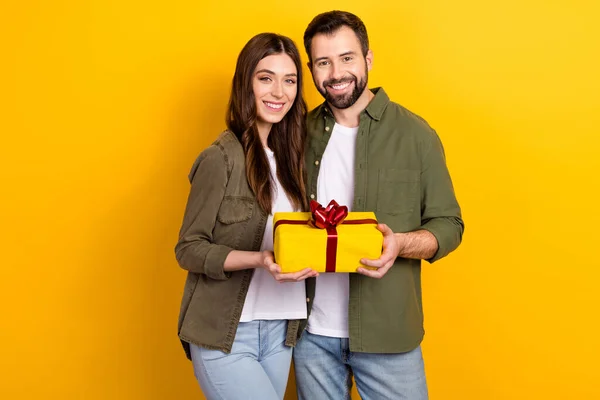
(446, 234)
(214, 262)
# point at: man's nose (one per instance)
(336, 71)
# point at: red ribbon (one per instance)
(328, 218)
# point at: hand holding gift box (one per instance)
(327, 239)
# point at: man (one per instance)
(370, 154)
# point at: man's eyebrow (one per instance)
(347, 53)
(268, 71)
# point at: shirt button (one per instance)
(317, 162)
(327, 128)
(312, 196)
(308, 300)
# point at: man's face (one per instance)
(339, 69)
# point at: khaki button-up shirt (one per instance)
(400, 173)
(221, 215)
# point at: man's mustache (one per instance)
(339, 81)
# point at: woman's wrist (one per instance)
(261, 259)
(238, 260)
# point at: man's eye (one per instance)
(347, 59)
(322, 63)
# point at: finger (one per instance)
(370, 273)
(383, 228)
(274, 268)
(267, 262)
(303, 276)
(377, 263)
(307, 273)
(310, 273)
(378, 273)
(294, 276)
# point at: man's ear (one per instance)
(369, 58)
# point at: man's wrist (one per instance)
(400, 240)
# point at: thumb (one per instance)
(383, 228)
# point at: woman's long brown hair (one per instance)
(286, 139)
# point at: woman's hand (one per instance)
(268, 263)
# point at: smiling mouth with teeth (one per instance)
(340, 86)
(274, 106)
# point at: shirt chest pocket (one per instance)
(398, 191)
(233, 221)
(234, 210)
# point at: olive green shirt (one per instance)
(222, 215)
(400, 173)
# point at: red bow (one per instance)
(329, 217)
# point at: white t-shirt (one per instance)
(329, 314)
(267, 298)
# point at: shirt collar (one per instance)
(378, 104)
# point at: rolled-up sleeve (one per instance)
(441, 214)
(195, 251)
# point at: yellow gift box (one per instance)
(299, 245)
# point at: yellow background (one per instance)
(105, 104)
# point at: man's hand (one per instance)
(419, 245)
(391, 249)
(268, 263)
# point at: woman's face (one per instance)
(275, 85)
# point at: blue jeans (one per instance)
(325, 366)
(256, 369)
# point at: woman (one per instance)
(239, 314)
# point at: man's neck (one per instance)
(350, 116)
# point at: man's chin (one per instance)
(339, 102)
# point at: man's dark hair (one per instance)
(329, 22)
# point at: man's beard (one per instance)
(348, 99)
